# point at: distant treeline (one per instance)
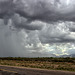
(49, 59)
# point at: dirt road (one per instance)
(31, 71)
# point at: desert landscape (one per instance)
(37, 66)
(37, 37)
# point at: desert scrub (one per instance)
(68, 68)
(44, 63)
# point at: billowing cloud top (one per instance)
(39, 26)
(50, 10)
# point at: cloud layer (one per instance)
(37, 26)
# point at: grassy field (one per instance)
(67, 64)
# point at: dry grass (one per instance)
(69, 66)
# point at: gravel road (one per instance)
(34, 71)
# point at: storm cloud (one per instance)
(50, 10)
(39, 26)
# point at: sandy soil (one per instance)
(33, 71)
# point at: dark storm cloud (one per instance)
(21, 22)
(6, 9)
(39, 15)
(40, 22)
(72, 28)
(45, 10)
(38, 10)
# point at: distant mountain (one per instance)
(38, 54)
(71, 55)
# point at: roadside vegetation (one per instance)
(67, 64)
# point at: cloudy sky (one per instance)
(35, 28)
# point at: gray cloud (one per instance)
(32, 26)
(38, 10)
(21, 22)
(45, 10)
(56, 33)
